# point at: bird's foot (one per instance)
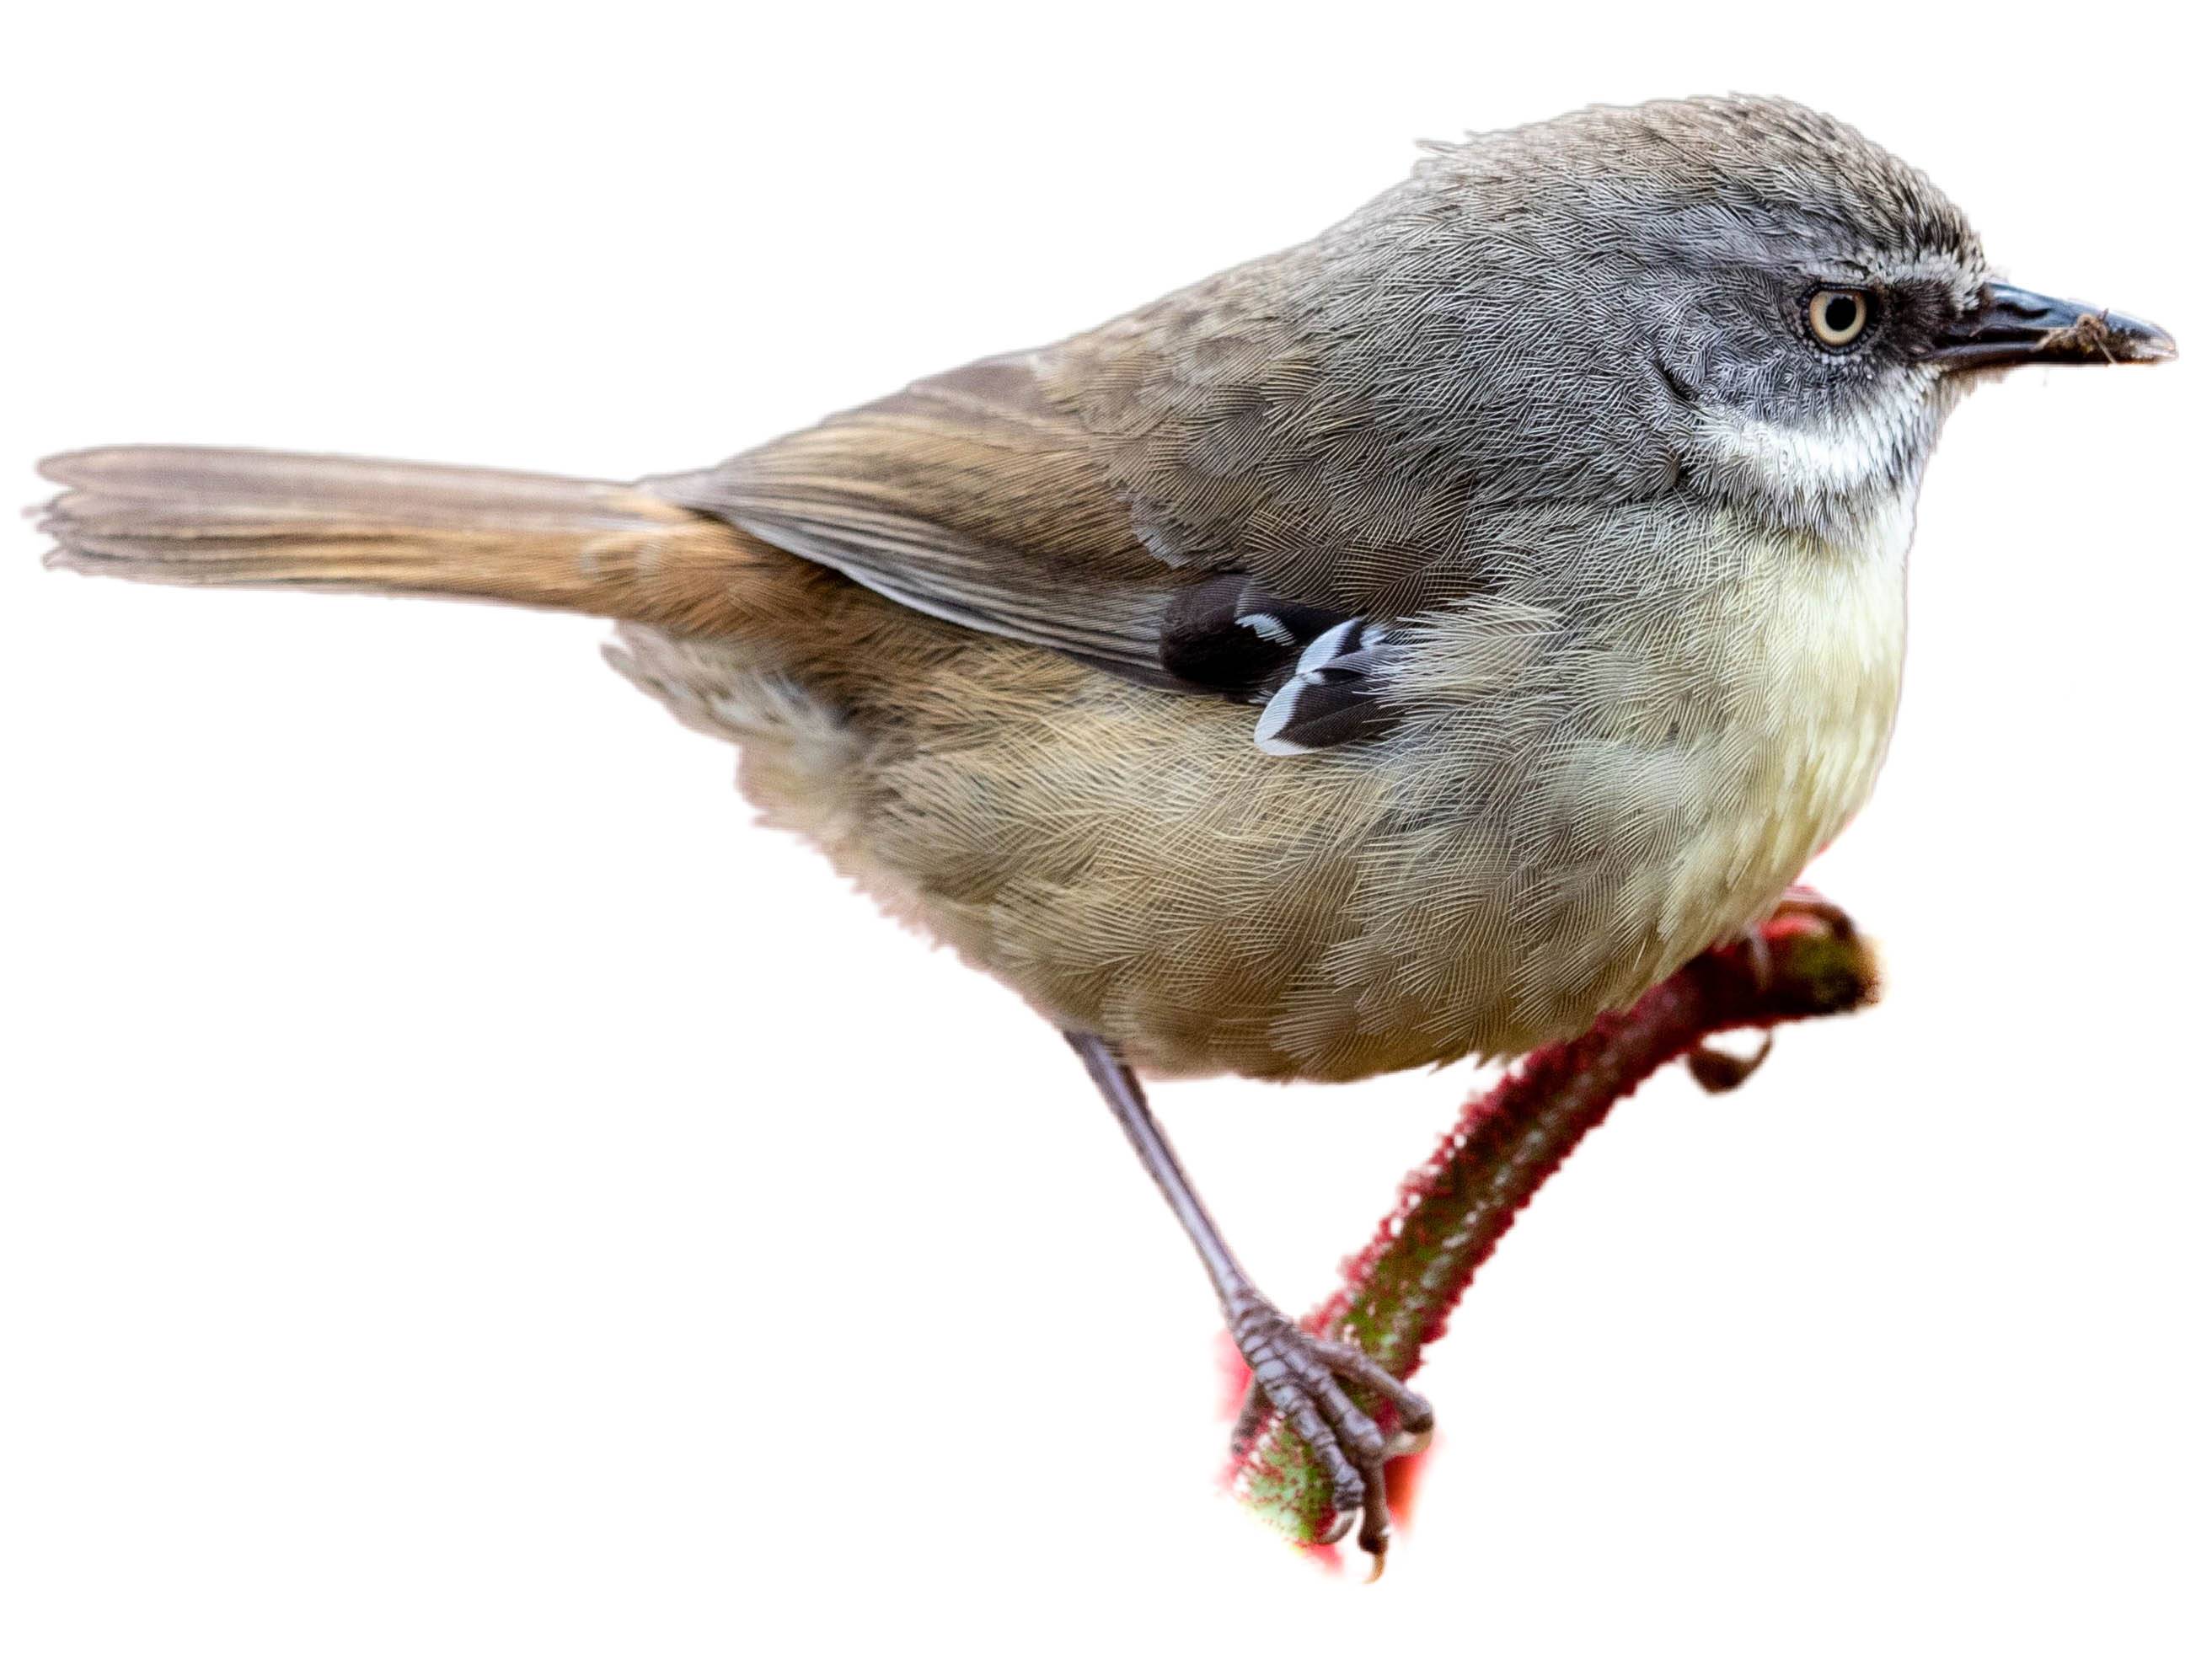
(1800, 905)
(1805, 904)
(1301, 1377)
(1718, 1071)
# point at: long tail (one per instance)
(258, 518)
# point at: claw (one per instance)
(1405, 1444)
(1375, 1521)
(1718, 1071)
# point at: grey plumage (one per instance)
(1622, 544)
(1409, 644)
(1545, 429)
(1512, 409)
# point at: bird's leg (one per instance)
(1299, 1374)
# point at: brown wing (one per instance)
(973, 496)
(1190, 496)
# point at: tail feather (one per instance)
(260, 518)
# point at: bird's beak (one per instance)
(2010, 325)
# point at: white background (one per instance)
(464, 1191)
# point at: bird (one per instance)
(1408, 644)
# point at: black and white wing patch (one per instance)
(1312, 668)
(1330, 696)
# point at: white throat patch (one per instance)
(1830, 465)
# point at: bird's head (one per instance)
(1735, 296)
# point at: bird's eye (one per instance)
(1837, 316)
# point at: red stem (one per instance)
(1399, 1292)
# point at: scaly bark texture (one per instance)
(1399, 1292)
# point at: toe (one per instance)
(1355, 1431)
(1302, 1415)
(1251, 1418)
(1415, 1415)
(1806, 902)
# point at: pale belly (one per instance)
(1492, 877)
(1558, 845)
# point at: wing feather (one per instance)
(1174, 515)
